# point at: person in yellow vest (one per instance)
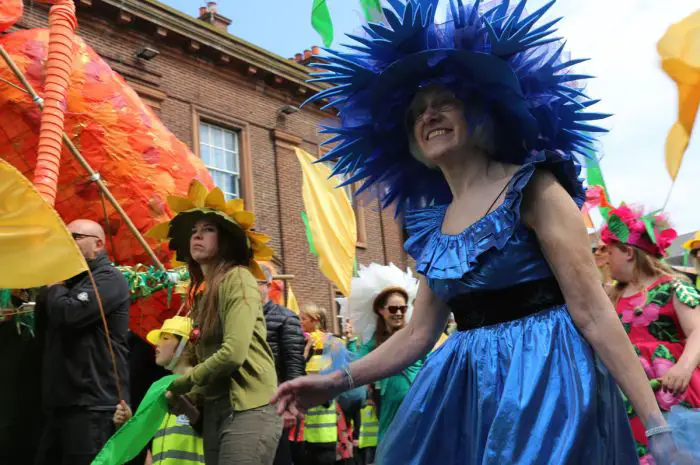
(693, 246)
(320, 423)
(369, 432)
(175, 442)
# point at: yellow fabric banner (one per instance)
(331, 220)
(36, 247)
(679, 49)
(292, 303)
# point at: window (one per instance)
(219, 149)
(338, 323)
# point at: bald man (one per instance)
(79, 388)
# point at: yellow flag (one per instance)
(331, 220)
(36, 247)
(679, 49)
(292, 303)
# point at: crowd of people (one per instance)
(223, 415)
(550, 359)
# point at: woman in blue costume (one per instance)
(471, 128)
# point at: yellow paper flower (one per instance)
(230, 215)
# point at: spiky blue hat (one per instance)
(499, 54)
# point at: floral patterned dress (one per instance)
(653, 328)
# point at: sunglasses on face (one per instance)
(395, 308)
(78, 236)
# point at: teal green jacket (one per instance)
(392, 390)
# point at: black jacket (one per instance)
(286, 340)
(77, 367)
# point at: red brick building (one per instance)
(235, 105)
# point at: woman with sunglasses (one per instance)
(380, 305)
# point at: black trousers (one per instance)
(283, 456)
(320, 454)
(73, 436)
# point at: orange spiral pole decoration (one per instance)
(59, 63)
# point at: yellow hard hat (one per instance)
(693, 243)
(178, 325)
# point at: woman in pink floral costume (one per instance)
(658, 308)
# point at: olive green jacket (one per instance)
(238, 358)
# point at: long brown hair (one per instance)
(382, 332)
(645, 264)
(233, 251)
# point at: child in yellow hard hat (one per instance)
(175, 442)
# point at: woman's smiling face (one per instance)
(439, 125)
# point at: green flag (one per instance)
(321, 21)
(372, 9)
(309, 237)
(131, 438)
(594, 177)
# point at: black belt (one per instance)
(485, 308)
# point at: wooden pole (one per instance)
(94, 176)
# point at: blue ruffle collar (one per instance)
(451, 256)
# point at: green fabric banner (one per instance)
(372, 9)
(309, 237)
(134, 435)
(321, 21)
(594, 177)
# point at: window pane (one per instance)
(226, 182)
(217, 137)
(216, 158)
(204, 152)
(231, 161)
(229, 140)
(235, 184)
(203, 133)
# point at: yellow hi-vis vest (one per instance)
(320, 425)
(176, 443)
(369, 427)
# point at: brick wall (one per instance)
(188, 85)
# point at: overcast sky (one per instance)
(619, 35)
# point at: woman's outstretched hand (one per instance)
(296, 396)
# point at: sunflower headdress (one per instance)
(230, 215)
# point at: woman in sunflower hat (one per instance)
(659, 311)
(472, 126)
(236, 375)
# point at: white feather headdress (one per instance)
(371, 281)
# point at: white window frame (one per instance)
(235, 152)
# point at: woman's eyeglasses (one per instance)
(395, 308)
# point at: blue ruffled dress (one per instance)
(521, 392)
